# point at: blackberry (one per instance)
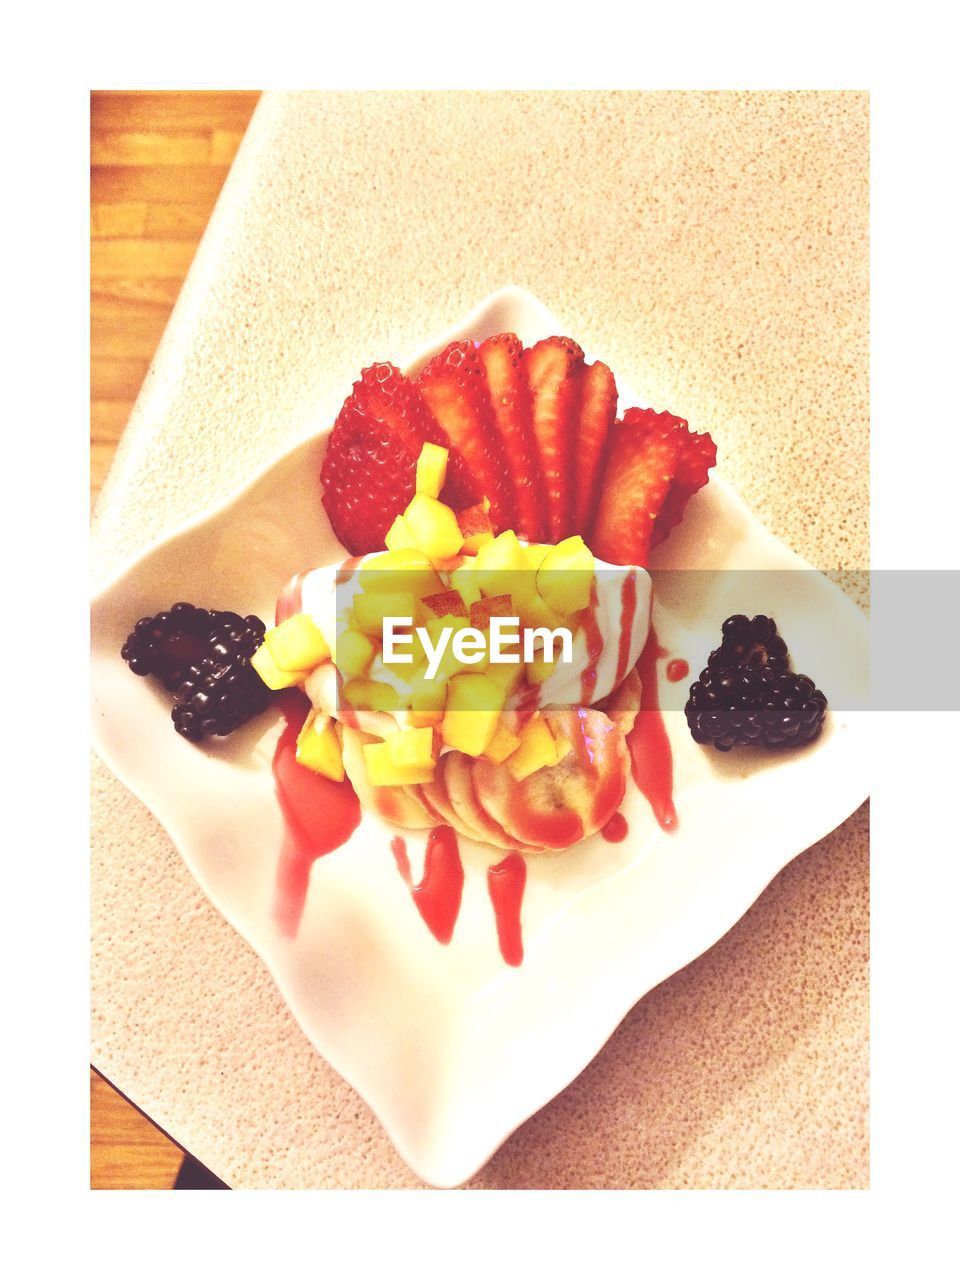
(217, 697)
(203, 657)
(746, 695)
(167, 644)
(751, 641)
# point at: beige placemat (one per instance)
(712, 248)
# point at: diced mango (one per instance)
(370, 609)
(501, 568)
(450, 664)
(405, 569)
(383, 772)
(481, 611)
(355, 652)
(473, 710)
(400, 536)
(475, 526)
(432, 469)
(565, 576)
(540, 669)
(271, 675)
(464, 582)
(411, 748)
(535, 612)
(427, 698)
(297, 644)
(536, 751)
(504, 743)
(318, 747)
(446, 602)
(434, 526)
(535, 553)
(371, 695)
(507, 674)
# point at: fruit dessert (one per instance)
(482, 664)
(526, 753)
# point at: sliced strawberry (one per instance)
(696, 454)
(598, 410)
(385, 394)
(502, 358)
(453, 386)
(552, 376)
(635, 484)
(655, 464)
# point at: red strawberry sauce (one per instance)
(650, 754)
(437, 896)
(677, 669)
(319, 816)
(506, 882)
(616, 829)
(594, 637)
(628, 607)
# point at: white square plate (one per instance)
(451, 1048)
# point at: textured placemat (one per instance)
(712, 248)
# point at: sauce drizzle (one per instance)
(677, 669)
(628, 607)
(437, 896)
(319, 816)
(650, 754)
(505, 883)
(616, 829)
(594, 637)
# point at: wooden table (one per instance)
(157, 163)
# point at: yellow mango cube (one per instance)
(404, 569)
(464, 581)
(536, 751)
(271, 675)
(434, 527)
(432, 469)
(383, 772)
(504, 743)
(535, 553)
(400, 536)
(501, 568)
(355, 652)
(540, 669)
(297, 644)
(506, 674)
(427, 698)
(370, 609)
(565, 576)
(472, 714)
(535, 612)
(371, 695)
(318, 747)
(411, 748)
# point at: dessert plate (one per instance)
(450, 1047)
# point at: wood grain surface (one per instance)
(157, 163)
